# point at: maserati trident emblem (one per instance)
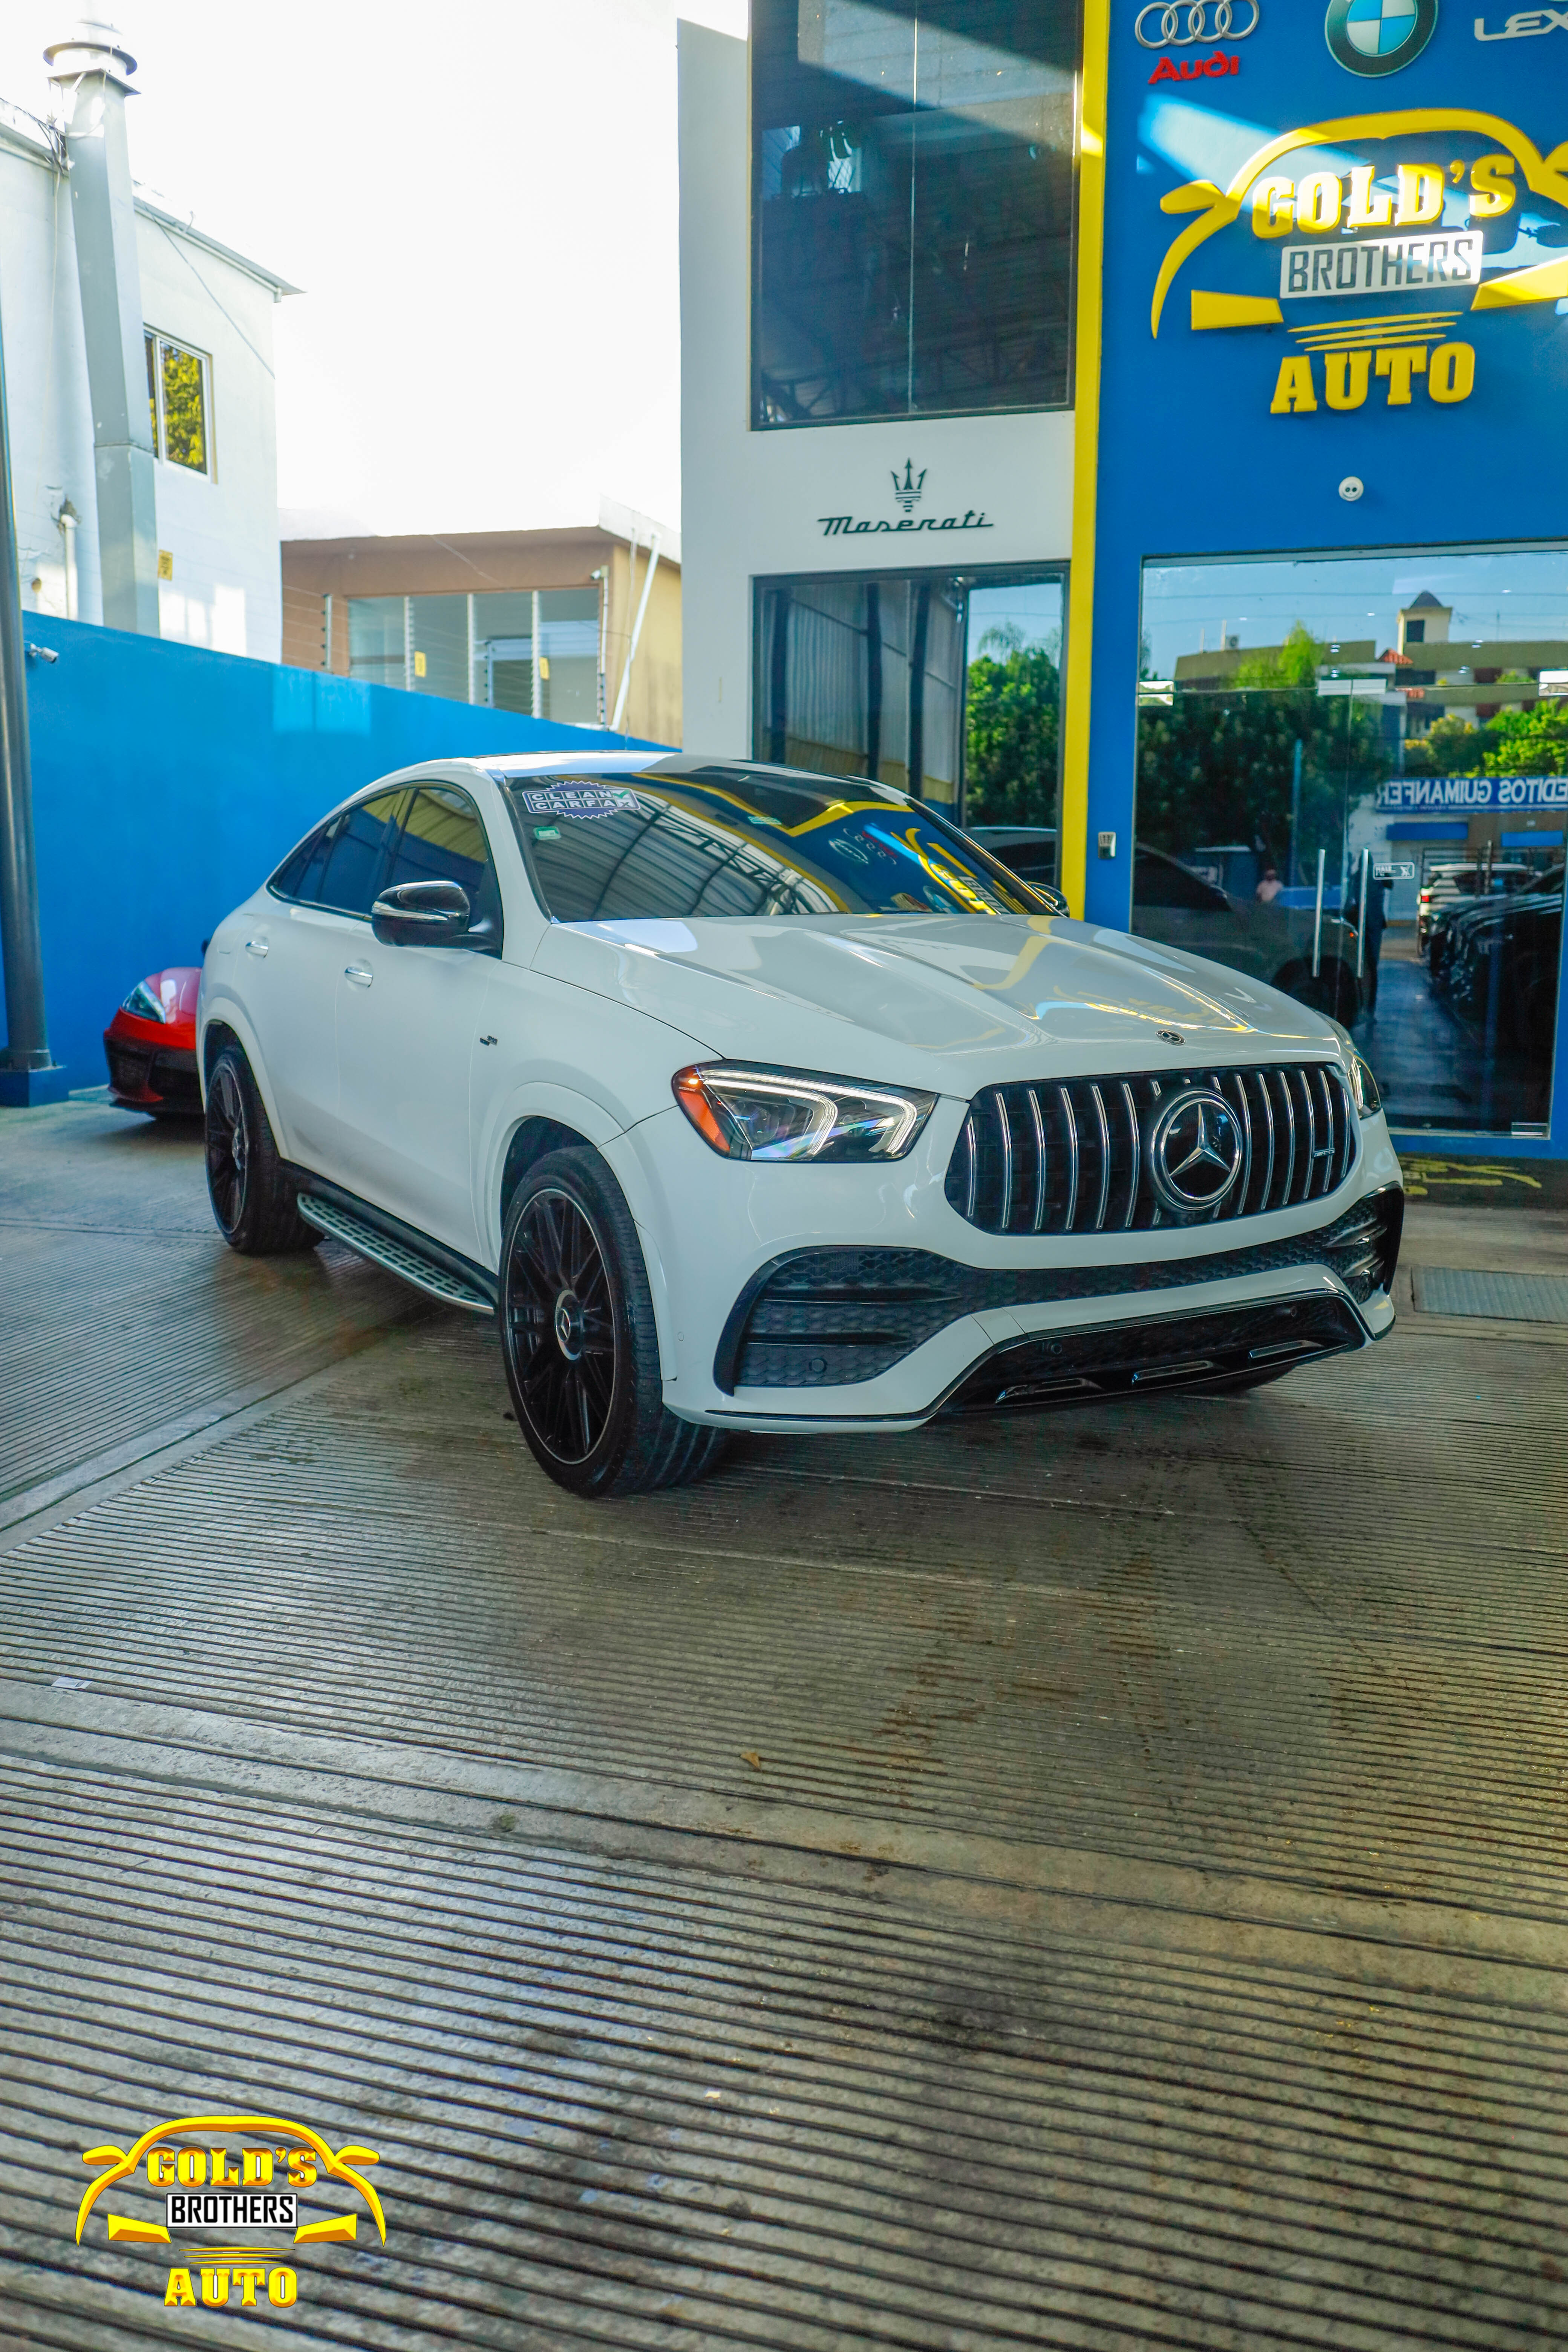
(908, 490)
(1194, 1152)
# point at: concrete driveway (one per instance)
(1085, 1881)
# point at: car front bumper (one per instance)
(143, 1075)
(901, 1305)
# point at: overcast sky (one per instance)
(478, 199)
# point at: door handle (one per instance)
(256, 947)
(360, 974)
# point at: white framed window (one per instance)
(179, 395)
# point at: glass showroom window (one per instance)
(912, 203)
(945, 683)
(1352, 782)
(179, 395)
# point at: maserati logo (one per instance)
(908, 490)
(1194, 1152)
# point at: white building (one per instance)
(877, 436)
(200, 319)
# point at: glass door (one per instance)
(1352, 783)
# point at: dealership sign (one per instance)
(1424, 795)
(1407, 225)
(1351, 261)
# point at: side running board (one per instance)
(397, 1256)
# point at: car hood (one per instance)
(948, 1002)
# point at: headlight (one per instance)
(763, 1114)
(144, 1004)
(1364, 1086)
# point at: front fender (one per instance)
(219, 1007)
(542, 1099)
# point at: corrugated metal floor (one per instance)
(1508, 1298)
(1085, 1882)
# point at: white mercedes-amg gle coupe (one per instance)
(748, 1100)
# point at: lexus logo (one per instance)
(1176, 27)
(1194, 1152)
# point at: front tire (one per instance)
(252, 1199)
(578, 1338)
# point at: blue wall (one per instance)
(168, 782)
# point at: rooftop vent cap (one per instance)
(95, 46)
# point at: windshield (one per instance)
(718, 841)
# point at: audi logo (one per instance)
(1196, 14)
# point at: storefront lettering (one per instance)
(1323, 201)
(1525, 24)
(846, 526)
(1417, 795)
(1384, 265)
(1337, 204)
(1194, 70)
(1449, 372)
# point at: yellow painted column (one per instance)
(1086, 451)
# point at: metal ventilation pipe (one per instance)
(90, 71)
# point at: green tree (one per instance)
(1527, 742)
(1014, 727)
(1293, 665)
(1450, 747)
(1514, 743)
(1219, 764)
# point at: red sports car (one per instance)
(151, 1046)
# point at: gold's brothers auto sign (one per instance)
(1377, 241)
(229, 2192)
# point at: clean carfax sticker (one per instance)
(580, 799)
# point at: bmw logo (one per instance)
(1378, 36)
(1194, 1152)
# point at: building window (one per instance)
(943, 684)
(482, 649)
(913, 206)
(179, 395)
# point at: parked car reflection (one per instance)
(1496, 960)
(1272, 941)
(1447, 888)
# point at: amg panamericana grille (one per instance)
(1067, 1155)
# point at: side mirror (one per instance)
(422, 915)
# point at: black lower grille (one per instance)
(168, 1072)
(175, 1079)
(128, 1071)
(829, 1317)
(1233, 1347)
(1076, 1156)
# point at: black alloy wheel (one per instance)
(228, 1146)
(579, 1340)
(252, 1198)
(562, 1324)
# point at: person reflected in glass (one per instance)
(1270, 887)
(1376, 924)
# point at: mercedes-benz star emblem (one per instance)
(1194, 1152)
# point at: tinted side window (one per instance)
(1160, 882)
(356, 859)
(305, 864)
(443, 840)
